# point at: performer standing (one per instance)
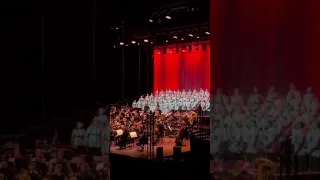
(93, 136)
(102, 118)
(298, 145)
(78, 135)
(105, 136)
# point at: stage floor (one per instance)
(135, 151)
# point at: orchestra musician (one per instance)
(182, 134)
(160, 127)
(124, 139)
(135, 120)
(143, 141)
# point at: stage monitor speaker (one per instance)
(119, 132)
(159, 153)
(133, 134)
(177, 152)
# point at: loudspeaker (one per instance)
(177, 152)
(160, 153)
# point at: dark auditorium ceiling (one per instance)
(143, 19)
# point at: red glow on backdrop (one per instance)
(182, 68)
(271, 42)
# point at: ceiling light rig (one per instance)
(168, 37)
(168, 12)
(182, 48)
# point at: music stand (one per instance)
(119, 132)
(133, 134)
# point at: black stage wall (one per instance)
(138, 71)
(78, 68)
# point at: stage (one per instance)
(135, 151)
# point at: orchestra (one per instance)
(127, 119)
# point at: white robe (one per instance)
(235, 143)
(134, 104)
(308, 101)
(105, 135)
(313, 141)
(252, 141)
(77, 137)
(214, 140)
(93, 136)
(298, 140)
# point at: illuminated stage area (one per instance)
(183, 66)
(136, 152)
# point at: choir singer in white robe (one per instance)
(105, 138)
(77, 136)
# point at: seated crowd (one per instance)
(171, 100)
(270, 125)
(56, 164)
(86, 159)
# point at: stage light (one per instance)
(117, 28)
(126, 44)
(190, 35)
(198, 37)
(197, 48)
(121, 43)
(175, 37)
(182, 39)
(138, 44)
(146, 40)
(114, 46)
(167, 41)
(207, 33)
(168, 17)
(164, 50)
(170, 50)
(151, 42)
(133, 42)
(150, 20)
(190, 48)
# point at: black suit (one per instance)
(124, 139)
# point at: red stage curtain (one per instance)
(263, 43)
(182, 70)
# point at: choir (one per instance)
(261, 124)
(96, 137)
(174, 99)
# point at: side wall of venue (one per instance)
(264, 43)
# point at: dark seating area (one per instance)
(191, 168)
